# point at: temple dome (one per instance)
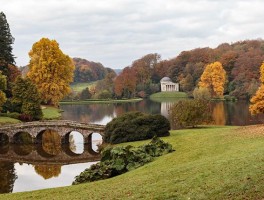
(165, 79)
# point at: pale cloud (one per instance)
(116, 32)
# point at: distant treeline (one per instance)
(241, 61)
(88, 71)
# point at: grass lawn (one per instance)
(78, 87)
(209, 163)
(8, 120)
(51, 113)
(167, 96)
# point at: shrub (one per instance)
(118, 160)
(202, 93)
(105, 94)
(134, 126)
(85, 94)
(190, 113)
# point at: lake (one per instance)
(18, 175)
(224, 113)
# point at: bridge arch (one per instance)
(4, 139)
(47, 131)
(73, 142)
(22, 137)
(23, 149)
(4, 148)
(50, 140)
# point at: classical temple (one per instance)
(168, 86)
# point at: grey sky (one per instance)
(116, 32)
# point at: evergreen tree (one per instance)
(6, 41)
(26, 97)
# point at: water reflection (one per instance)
(48, 171)
(8, 177)
(218, 112)
(224, 113)
(51, 142)
(46, 159)
(103, 113)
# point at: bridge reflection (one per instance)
(35, 154)
(47, 157)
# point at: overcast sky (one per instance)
(117, 32)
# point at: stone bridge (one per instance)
(62, 127)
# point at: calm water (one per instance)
(21, 175)
(224, 113)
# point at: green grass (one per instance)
(8, 120)
(51, 113)
(101, 101)
(167, 96)
(78, 87)
(209, 163)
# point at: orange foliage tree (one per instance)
(257, 101)
(125, 83)
(214, 78)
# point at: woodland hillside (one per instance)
(88, 71)
(241, 61)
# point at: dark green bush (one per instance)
(11, 115)
(134, 126)
(118, 160)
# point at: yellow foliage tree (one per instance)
(257, 101)
(214, 78)
(50, 70)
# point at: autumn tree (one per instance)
(27, 99)
(50, 70)
(214, 78)
(125, 83)
(2, 88)
(106, 84)
(257, 101)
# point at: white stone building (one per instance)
(168, 86)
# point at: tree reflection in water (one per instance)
(51, 142)
(8, 177)
(219, 117)
(48, 171)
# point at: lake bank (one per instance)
(49, 113)
(100, 101)
(208, 164)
